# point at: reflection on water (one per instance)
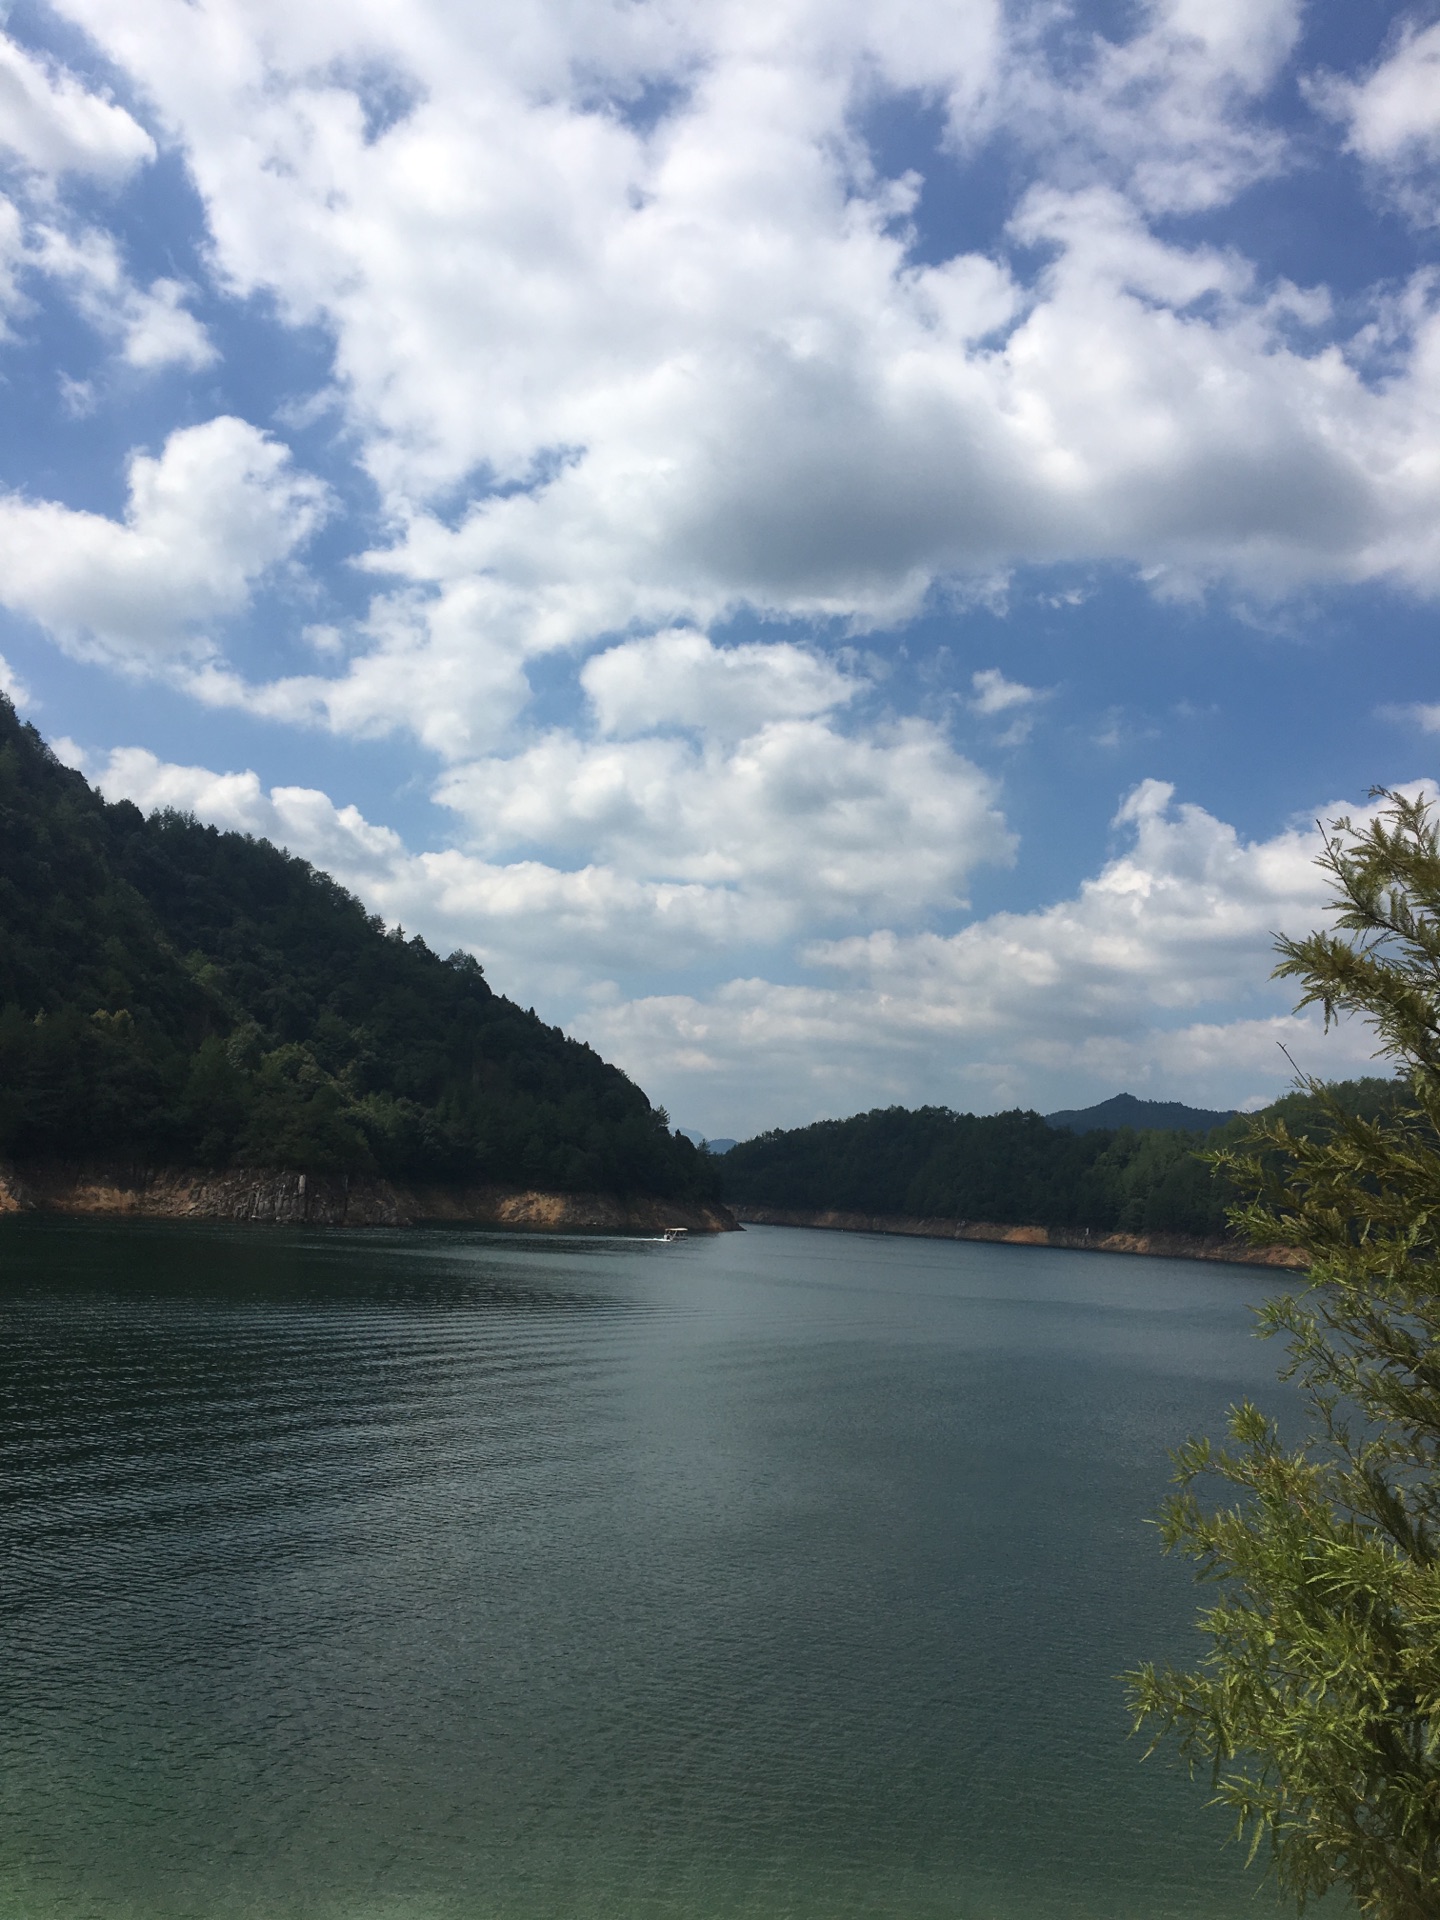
(466, 1577)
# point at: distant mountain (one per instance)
(177, 996)
(715, 1146)
(1143, 1116)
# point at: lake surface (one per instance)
(449, 1576)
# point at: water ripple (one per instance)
(466, 1578)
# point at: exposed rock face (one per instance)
(1169, 1246)
(271, 1196)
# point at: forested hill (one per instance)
(1013, 1169)
(1144, 1116)
(189, 997)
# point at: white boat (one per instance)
(676, 1233)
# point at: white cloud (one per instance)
(152, 325)
(452, 668)
(1170, 111)
(161, 332)
(679, 678)
(206, 520)
(12, 264)
(797, 829)
(652, 854)
(995, 694)
(1419, 713)
(71, 754)
(1174, 921)
(56, 125)
(300, 818)
(1154, 975)
(13, 687)
(756, 1054)
(1393, 115)
(537, 926)
(699, 356)
(809, 823)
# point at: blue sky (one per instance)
(840, 550)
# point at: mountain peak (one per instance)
(1145, 1116)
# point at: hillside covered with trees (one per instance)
(1010, 1168)
(184, 996)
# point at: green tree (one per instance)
(1317, 1705)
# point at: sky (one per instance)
(842, 550)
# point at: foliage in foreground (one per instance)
(1317, 1706)
(173, 994)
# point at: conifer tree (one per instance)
(1317, 1705)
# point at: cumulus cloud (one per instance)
(160, 331)
(756, 1054)
(305, 821)
(1170, 111)
(206, 519)
(1392, 117)
(687, 365)
(536, 926)
(652, 854)
(1119, 985)
(56, 125)
(1174, 920)
(152, 325)
(811, 823)
(795, 830)
(1153, 975)
(679, 678)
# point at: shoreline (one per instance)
(1162, 1246)
(270, 1196)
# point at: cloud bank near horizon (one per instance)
(1111, 986)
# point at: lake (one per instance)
(450, 1576)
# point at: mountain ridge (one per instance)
(173, 995)
(1015, 1170)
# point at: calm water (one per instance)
(424, 1576)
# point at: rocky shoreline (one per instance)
(277, 1197)
(1165, 1246)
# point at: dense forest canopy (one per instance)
(175, 994)
(1012, 1168)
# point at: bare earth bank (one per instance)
(1170, 1246)
(273, 1196)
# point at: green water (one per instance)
(421, 1576)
